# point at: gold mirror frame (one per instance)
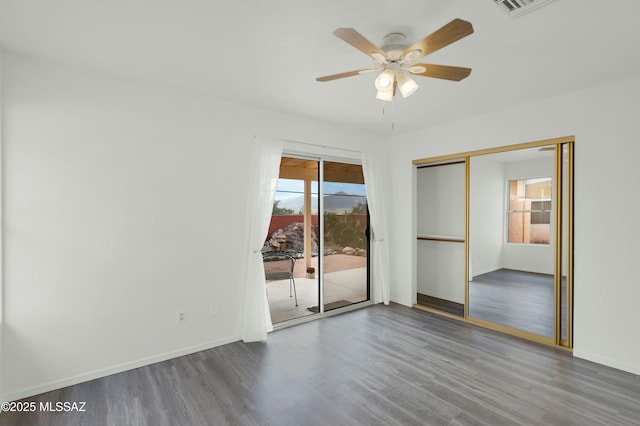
(563, 172)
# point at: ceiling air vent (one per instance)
(515, 8)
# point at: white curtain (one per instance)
(255, 321)
(373, 179)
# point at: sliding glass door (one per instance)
(316, 251)
(346, 245)
(290, 251)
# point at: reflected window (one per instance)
(529, 212)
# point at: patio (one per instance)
(344, 280)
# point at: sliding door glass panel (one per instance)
(293, 233)
(441, 236)
(511, 243)
(346, 244)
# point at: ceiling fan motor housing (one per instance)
(394, 44)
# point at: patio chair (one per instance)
(278, 265)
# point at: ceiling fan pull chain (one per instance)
(393, 117)
(393, 125)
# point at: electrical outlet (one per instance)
(181, 315)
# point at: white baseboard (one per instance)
(633, 369)
(103, 372)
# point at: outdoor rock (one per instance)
(360, 252)
(291, 238)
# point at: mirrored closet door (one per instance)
(511, 269)
(511, 244)
(441, 236)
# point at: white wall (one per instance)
(440, 270)
(124, 202)
(486, 215)
(536, 258)
(604, 121)
(440, 201)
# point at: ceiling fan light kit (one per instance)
(385, 79)
(385, 95)
(394, 59)
(406, 84)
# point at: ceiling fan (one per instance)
(395, 58)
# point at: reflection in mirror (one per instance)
(511, 243)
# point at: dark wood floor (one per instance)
(442, 305)
(376, 366)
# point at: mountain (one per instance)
(342, 201)
(337, 203)
(297, 203)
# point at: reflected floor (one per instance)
(522, 300)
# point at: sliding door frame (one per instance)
(558, 144)
(320, 159)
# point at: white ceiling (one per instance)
(268, 53)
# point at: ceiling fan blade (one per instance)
(443, 71)
(358, 41)
(345, 74)
(451, 32)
